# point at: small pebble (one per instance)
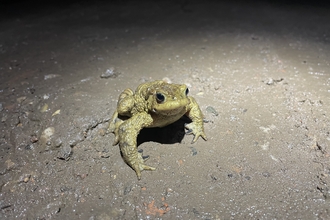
(193, 150)
(21, 99)
(166, 79)
(101, 132)
(26, 179)
(44, 108)
(271, 81)
(266, 174)
(33, 139)
(110, 73)
(32, 90)
(210, 109)
(82, 176)
(65, 152)
(4, 118)
(57, 112)
(29, 147)
(58, 142)
(48, 131)
(127, 190)
(169, 190)
(9, 164)
(50, 76)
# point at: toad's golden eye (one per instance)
(160, 97)
(187, 91)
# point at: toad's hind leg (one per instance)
(128, 132)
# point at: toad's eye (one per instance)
(160, 97)
(187, 91)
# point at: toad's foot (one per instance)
(134, 159)
(115, 130)
(197, 130)
(138, 166)
(115, 122)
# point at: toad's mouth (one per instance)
(169, 112)
(171, 107)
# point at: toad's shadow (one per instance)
(169, 134)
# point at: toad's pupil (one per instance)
(160, 97)
(187, 91)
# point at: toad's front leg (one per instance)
(128, 132)
(196, 127)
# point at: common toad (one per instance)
(153, 104)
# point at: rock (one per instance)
(101, 131)
(193, 151)
(75, 140)
(9, 164)
(33, 139)
(50, 209)
(57, 112)
(65, 152)
(44, 108)
(21, 99)
(24, 178)
(51, 76)
(110, 73)
(266, 174)
(45, 138)
(271, 81)
(58, 142)
(211, 110)
(4, 118)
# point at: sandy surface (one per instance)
(260, 73)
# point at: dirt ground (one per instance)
(259, 71)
